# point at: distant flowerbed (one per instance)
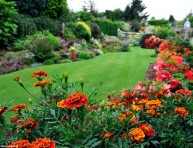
(155, 113)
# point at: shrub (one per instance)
(7, 25)
(84, 54)
(69, 34)
(84, 16)
(26, 25)
(41, 48)
(23, 44)
(161, 22)
(95, 29)
(86, 27)
(79, 31)
(135, 26)
(183, 43)
(164, 32)
(46, 23)
(109, 27)
(53, 60)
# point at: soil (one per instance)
(151, 73)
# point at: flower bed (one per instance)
(155, 113)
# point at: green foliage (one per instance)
(46, 23)
(164, 32)
(69, 34)
(109, 27)
(161, 22)
(84, 54)
(95, 29)
(26, 25)
(24, 44)
(30, 7)
(84, 16)
(134, 11)
(7, 25)
(79, 31)
(40, 44)
(53, 60)
(189, 59)
(183, 43)
(115, 15)
(55, 9)
(86, 27)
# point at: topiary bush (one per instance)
(85, 55)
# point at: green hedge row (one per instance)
(109, 27)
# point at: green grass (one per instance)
(115, 70)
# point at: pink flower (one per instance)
(163, 75)
(188, 74)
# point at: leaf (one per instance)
(96, 143)
(113, 145)
(53, 112)
(91, 141)
(120, 142)
(85, 140)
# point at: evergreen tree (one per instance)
(171, 19)
(30, 7)
(135, 11)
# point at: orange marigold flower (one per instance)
(181, 111)
(153, 104)
(42, 83)
(15, 119)
(20, 144)
(134, 120)
(150, 112)
(107, 135)
(43, 143)
(125, 114)
(137, 107)
(148, 130)
(19, 107)
(137, 135)
(143, 101)
(3, 109)
(28, 124)
(73, 100)
(40, 73)
(17, 79)
(186, 92)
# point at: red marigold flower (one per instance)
(137, 135)
(42, 83)
(3, 109)
(188, 74)
(40, 73)
(94, 107)
(19, 107)
(43, 143)
(181, 111)
(148, 130)
(20, 144)
(73, 100)
(124, 135)
(28, 124)
(107, 135)
(152, 104)
(15, 119)
(125, 93)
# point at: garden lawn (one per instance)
(115, 70)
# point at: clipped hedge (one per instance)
(109, 27)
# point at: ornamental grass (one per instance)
(156, 113)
